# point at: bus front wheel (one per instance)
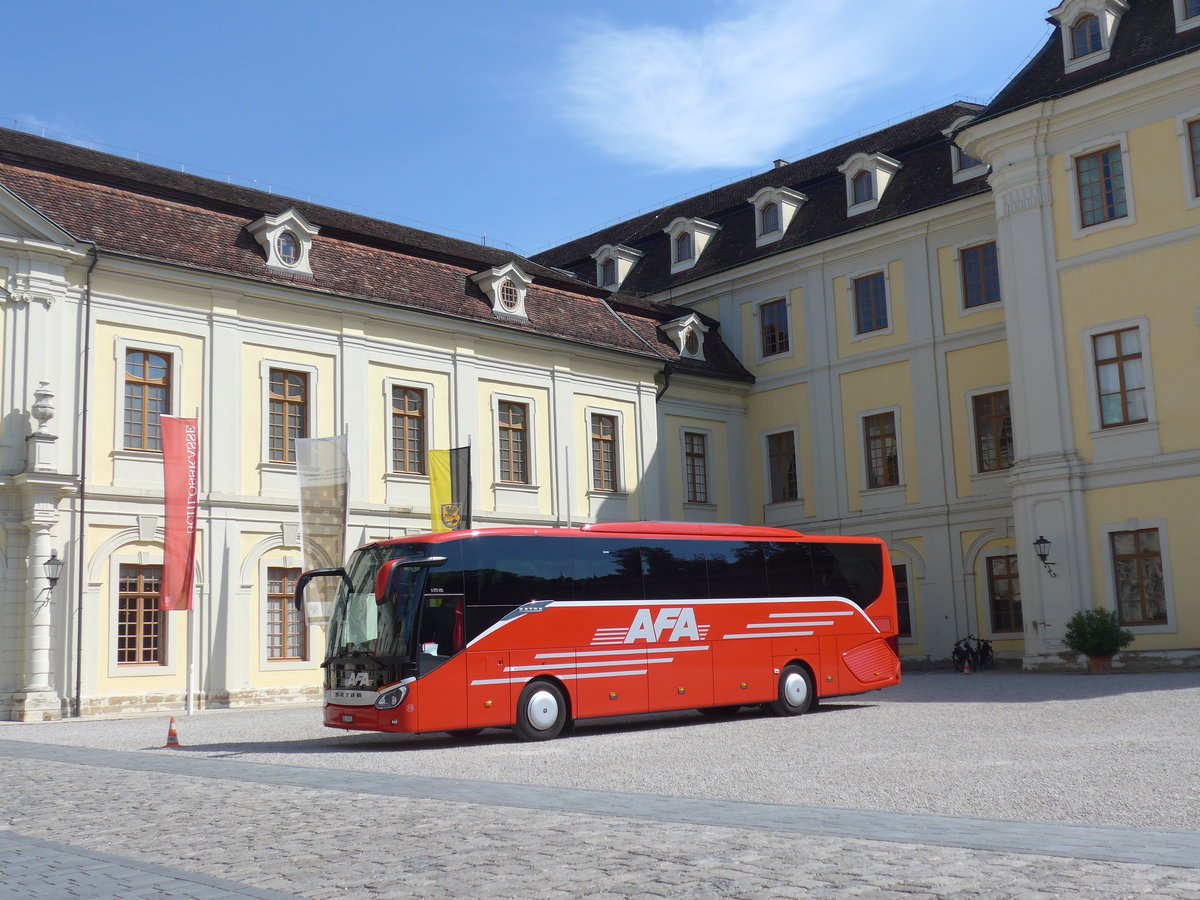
(541, 711)
(795, 692)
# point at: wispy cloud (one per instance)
(733, 92)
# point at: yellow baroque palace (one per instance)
(974, 333)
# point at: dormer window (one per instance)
(964, 165)
(613, 264)
(505, 287)
(1088, 28)
(689, 237)
(683, 247)
(1085, 37)
(867, 177)
(774, 208)
(687, 334)
(1187, 14)
(287, 240)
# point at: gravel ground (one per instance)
(1120, 749)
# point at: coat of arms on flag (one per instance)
(450, 489)
(451, 515)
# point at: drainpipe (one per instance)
(81, 539)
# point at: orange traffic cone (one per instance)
(966, 670)
(172, 737)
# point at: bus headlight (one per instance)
(392, 698)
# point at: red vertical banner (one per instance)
(181, 494)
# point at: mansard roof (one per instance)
(146, 212)
(925, 180)
(1145, 37)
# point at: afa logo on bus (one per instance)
(678, 623)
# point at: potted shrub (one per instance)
(1098, 635)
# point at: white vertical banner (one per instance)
(323, 473)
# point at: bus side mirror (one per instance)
(309, 576)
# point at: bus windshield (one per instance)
(360, 626)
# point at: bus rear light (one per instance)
(392, 698)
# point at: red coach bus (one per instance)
(535, 628)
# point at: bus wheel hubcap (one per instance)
(543, 710)
(795, 690)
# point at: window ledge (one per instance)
(1125, 442)
(874, 499)
(276, 467)
(519, 486)
(154, 456)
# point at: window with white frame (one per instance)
(286, 633)
(881, 450)
(993, 432)
(408, 430)
(512, 442)
(768, 218)
(1120, 377)
(1191, 134)
(1004, 594)
(1100, 181)
(870, 303)
(1085, 36)
(1088, 29)
(867, 178)
(604, 430)
(1187, 14)
(613, 264)
(980, 271)
(773, 327)
(689, 237)
(288, 415)
(1138, 576)
(147, 398)
(782, 476)
(141, 626)
(774, 209)
(608, 273)
(695, 462)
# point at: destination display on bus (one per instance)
(534, 629)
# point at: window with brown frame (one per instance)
(781, 462)
(513, 441)
(141, 627)
(287, 414)
(1085, 37)
(1004, 594)
(993, 432)
(870, 303)
(773, 324)
(883, 461)
(695, 454)
(1120, 377)
(1138, 577)
(408, 430)
(903, 603)
(147, 398)
(287, 636)
(1100, 177)
(604, 452)
(980, 275)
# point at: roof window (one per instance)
(505, 287)
(689, 237)
(687, 334)
(867, 177)
(1187, 14)
(1088, 28)
(963, 165)
(287, 240)
(613, 263)
(774, 208)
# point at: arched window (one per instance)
(683, 247)
(1085, 36)
(770, 218)
(608, 273)
(863, 187)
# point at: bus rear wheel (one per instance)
(541, 711)
(795, 692)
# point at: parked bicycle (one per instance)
(973, 650)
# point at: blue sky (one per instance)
(529, 123)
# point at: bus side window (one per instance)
(736, 569)
(675, 570)
(606, 569)
(790, 569)
(855, 570)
